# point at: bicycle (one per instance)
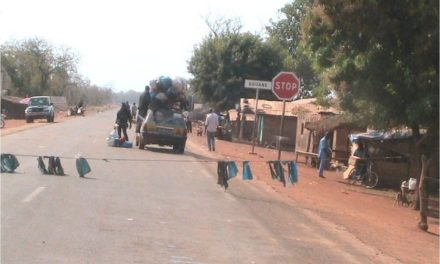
(364, 174)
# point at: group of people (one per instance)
(125, 116)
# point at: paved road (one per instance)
(151, 206)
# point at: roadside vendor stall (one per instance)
(389, 151)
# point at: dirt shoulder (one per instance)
(370, 215)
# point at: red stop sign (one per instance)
(285, 85)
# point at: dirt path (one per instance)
(371, 215)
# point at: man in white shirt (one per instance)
(211, 124)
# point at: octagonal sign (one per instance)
(285, 85)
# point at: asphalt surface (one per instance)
(151, 206)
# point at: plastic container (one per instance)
(412, 184)
(127, 144)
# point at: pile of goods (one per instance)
(168, 93)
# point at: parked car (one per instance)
(224, 130)
(164, 127)
(40, 107)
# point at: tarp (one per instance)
(382, 135)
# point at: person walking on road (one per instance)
(211, 124)
(133, 111)
(324, 153)
(144, 102)
(123, 119)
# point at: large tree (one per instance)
(36, 67)
(287, 31)
(225, 58)
(380, 58)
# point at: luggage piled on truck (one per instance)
(168, 93)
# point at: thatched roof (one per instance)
(293, 108)
(331, 122)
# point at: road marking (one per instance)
(183, 260)
(31, 196)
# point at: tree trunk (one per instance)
(415, 165)
(423, 196)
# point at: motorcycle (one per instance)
(76, 111)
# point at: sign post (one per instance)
(254, 84)
(285, 86)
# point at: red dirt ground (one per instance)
(370, 215)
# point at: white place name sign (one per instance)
(255, 84)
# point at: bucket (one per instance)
(412, 184)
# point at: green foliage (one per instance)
(287, 31)
(380, 57)
(222, 62)
(35, 67)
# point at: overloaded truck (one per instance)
(164, 123)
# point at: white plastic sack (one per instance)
(412, 183)
(112, 137)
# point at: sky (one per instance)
(125, 44)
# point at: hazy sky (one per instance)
(124, 44)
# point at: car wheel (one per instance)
(179, 148)
(29, 120)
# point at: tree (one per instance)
(225, 58)
(36, 67)
(381, 60)
(287, 31)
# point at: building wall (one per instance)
(305, 137)
(341, 144)
(13, 110)
(271, 129)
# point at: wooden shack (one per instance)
(12, 108)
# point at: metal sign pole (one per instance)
(255, 122)
(281, 130)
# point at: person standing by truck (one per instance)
(144, 102)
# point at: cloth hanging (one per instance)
(8, 163)
(232, 169)
(51, 165)
(279, 169)
(272, 170)
(58, 168)
(82, 166)
(247, 173)
(293, 172)
(222, 173)
(41, 165)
